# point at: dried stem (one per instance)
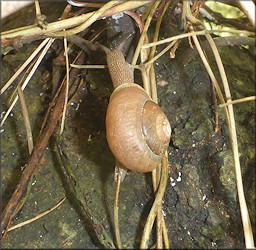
(248, 8)
(24, 65)
(19, 196)
(245, 99)
(149, 83)
(96, 14)
(212, 77)
(142, 37)
(88, 66)
(67, 86)
(25, 115)
(196, 33)
(156, 204)
(40, 58)
(249, 241)
(37, 7)
(26, 34)
(116, 208)
(22, 224)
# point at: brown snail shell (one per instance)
(138, 132)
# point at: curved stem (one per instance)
(156, 204)
(116, 207)
(68, 23)
(142, 37)
(201, 32)
(249, 241)
(96, 14)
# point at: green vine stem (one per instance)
(26, 34)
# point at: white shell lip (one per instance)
(166, 127)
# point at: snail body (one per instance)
(137, 130)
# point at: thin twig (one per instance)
(148, 73)
(13, 94)
(58, 92)
(149, 83)
(152, 53)
(216, 111)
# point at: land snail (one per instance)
(138, 132)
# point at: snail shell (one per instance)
(138, 132)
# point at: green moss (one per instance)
(215, 228)
(227, 173)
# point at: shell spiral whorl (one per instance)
(138, 132)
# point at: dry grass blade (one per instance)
(142, 37)
(67, 86)
(248, 235)
(40, 58)
(245, 99)
(212, 77)
(88, 66)
(249, 241)
(157, 31)
(196, 33)
(116, 208)
(156, 204)
(25, 115)
(22, 189)
(37, 217)
(167, 48)
(24, 65)
(151, 55)
(156, 174)
(149, 84)
(13, 94)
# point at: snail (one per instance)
(138, 132)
